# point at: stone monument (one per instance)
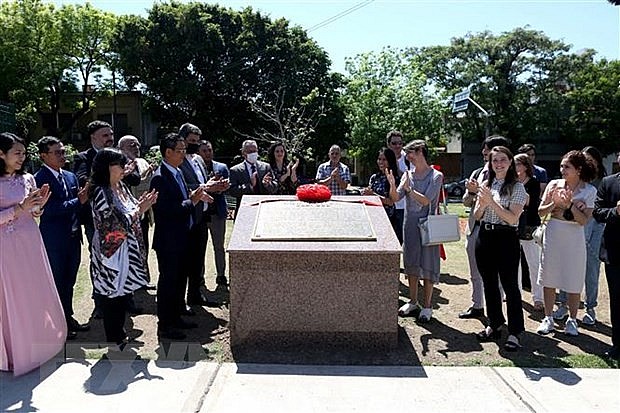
(311, 273)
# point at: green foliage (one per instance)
(593, 102)
(45, 51)
(387, 91)
(215, 67)
(508, 75)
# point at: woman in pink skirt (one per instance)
(31, 316)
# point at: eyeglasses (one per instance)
(58, 152)
(397, 143)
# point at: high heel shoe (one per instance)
(488, 334)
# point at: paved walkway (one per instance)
(165, 386)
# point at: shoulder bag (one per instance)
(437, 229)
(539, 233)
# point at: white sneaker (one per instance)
(409, 309)
(425, 315)
(546, 326)
(589, 318)
(570, 329)
(561, 313)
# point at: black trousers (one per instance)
(612, 272)
(170, 286)
(497, 255)
(195, 264)
(114, 315)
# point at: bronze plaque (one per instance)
(303, 221)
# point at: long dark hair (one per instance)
(390, 157)
(511, 175)
(601, 172)
(7, 141)
(271, 154)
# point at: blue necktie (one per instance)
(61, 180)
(181, 183)
(179, 179)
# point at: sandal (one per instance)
(488, 334)
(512, 343)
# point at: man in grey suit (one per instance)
(251, 176)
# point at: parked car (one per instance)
(455, 189)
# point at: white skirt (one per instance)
(563, 259)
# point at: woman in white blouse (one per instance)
(570, 201)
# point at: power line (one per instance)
(339, 15)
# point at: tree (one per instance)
(387, 91)
(208, 65)
(593, 99)
(46, 52)
(509, 75)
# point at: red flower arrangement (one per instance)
(115, 237)
(313, 193)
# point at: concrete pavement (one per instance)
(167, 386)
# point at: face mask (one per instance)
(192, 148)
(252, 157)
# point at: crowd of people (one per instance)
(114, 197)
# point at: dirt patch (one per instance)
(446, 340)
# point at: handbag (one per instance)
(539, 233)
(437, 229)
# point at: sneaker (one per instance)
(546, 326)
(425, 315)
(570, 329)
(561, 313)
(409, 309)
(589, 318)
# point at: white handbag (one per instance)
(539, 233)
(437, 229)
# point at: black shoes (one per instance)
(187, 311)
(97, 313)
(74, 326)
(170, 333)
(488, 334)
(612, 353)
(202, 301)
(472, 312)
(182, 324)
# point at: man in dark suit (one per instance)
(174, 215)
(218, 210)
(60, 225)
(607, 210)
(251, 176)
(195, 174)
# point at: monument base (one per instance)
(291, 292)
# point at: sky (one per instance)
(346, 28)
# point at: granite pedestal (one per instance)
(324, 284)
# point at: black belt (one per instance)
(487, 226)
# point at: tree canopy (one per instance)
(211, 65)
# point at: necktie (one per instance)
(179, 179)
(199, 171)
(181, 183)
(256, 188)
(61, 181)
